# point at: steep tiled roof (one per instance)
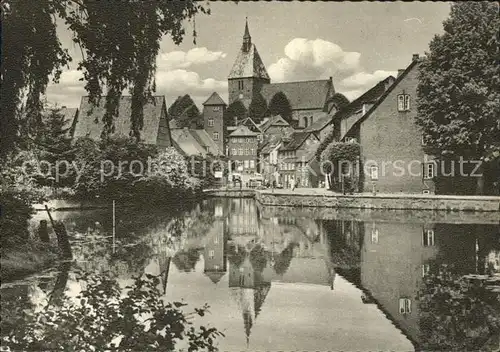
(302, 94)
(269, 146)
(276, 120)
(204, 139)
(248, 64)
(90, 118)
(187, 142)
(242, 131)
(296, 140)
(214, 99)
(250, 123)
(323, 120)
(370, 96)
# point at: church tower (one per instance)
(248, 74)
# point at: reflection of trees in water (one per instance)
(456, 313)
(282, 261)
(258, 258)
(185, 260)
(346, 239)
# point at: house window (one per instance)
(247, 151)
(428, 238)
(252, 151)
(374, 173)
(246, 164)
(240, 85)
(210, 122)
(216, 267)
(216, 108)
(403, 102)
(211, 254)
(429, 171)
(216, 136)
(374, 236)
(216, 239)
(240, 151)
(248, 140)
(233, 151)
(404, 306)
(252, 164)
(425, 269)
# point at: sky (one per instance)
(356, 43)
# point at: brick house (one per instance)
(242, 150)
(393, 158)
(213, 118)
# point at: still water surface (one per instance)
(297, 279)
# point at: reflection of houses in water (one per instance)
(243, 219)
(392, 266)
(397, 256)
(492, 262)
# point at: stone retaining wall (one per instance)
(230, 193)
(364, 201)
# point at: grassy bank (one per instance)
(29, 258)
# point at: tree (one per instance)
(339, 101)
(119, 42)
(458, 96)
(235, 109)
(280, 105)
(457, 314)
(185, 112)
(257, 109)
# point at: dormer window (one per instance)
(210, 122)
(403, 102)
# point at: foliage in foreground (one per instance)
(456, 314)
(459, 100)
(102, 318)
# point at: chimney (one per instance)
(415, 57)
(400, 71)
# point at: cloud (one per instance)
(312, 59)
(307, 59)
(172, 79)
(366, 79)
(182, 59)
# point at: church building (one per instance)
(309, 100)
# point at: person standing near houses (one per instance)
(292, 183)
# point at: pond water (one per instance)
(297, 279)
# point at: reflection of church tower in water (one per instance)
(248, 287)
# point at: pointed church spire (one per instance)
(247, 40)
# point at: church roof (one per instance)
(248, 64)
(90, 123)
(214, 99)
(323, 121)
(302, 94)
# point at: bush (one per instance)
(103, 318)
